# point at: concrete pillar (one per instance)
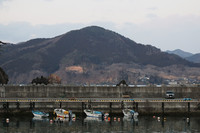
(188, 107)
(133, 105)
(60, 104)
(83, 106)
(7, 105)
(18, 104)
(110, 107)
(136, 107)
(122, 104)
(163, 107)
(89, 104)
(32, 105)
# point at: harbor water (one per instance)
(115, 124)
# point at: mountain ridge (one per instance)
(93, 50)
(180, 53)
(195, 58)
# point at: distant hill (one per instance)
(194, 58)
(89, 55)
(186, 55)
(180, 53)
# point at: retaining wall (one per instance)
(60, 91)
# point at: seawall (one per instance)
(64, 91)
(73, 92)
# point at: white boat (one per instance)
(92, 113)
(129, 113)
(63, 113)
(40, 114)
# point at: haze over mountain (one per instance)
(180, 53)
(194, 58)
(90, 55)
(186, 55)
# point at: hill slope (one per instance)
(91, 54)
(180, 53)
(195, 58)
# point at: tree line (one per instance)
(52, 79)
(3, 75)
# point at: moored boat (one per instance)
(63, 113)
(40, 113)
(129, 113)
(92, 113)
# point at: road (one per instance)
(97, 100)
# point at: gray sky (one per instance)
(165, 24)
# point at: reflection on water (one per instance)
(40, 119)
(93, 119)
(115, 124)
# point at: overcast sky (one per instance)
(165, 24)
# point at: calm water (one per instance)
(144, 124)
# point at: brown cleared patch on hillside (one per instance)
(77, 69)
(165, 76)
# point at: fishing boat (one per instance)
(63, 113)
(40, 113)
(92, 113)
(129, 113)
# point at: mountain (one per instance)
(186, 55)
(89, 55)
(180, 53)
(194, 58)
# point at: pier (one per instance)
(109, 104)
(109, 98)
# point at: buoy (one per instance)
(118, 119)
(7, 120)
(188, 120)
(108, 118)
(154, 116)
(158, 118)
(51, 121)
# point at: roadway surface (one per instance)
(98, 100)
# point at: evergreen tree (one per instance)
(40, 80)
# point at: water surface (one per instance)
(143, 124)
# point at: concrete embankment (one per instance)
(64, 91)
